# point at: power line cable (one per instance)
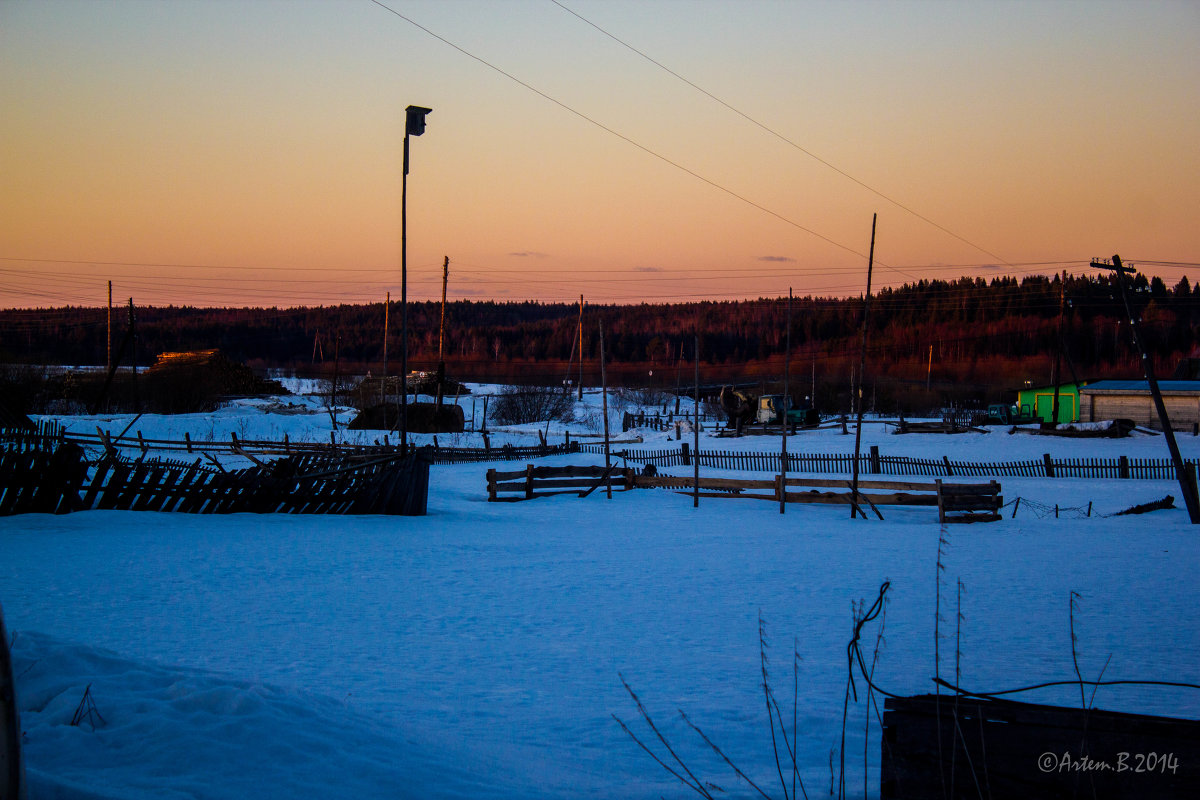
(777, 134)
(630, 141)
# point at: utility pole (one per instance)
(137, 400)
(387, 305)
(581, 348)
(441, 371)
(1062, 307)
(604, 409)
(108, 362)
(787, 403)
(1187, 478)
(862, 365)
(696, 432)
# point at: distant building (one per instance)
(1132, 400)
(1039, 402)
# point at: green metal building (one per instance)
(1039, 401)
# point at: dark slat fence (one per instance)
(60, 481)
(873, 463)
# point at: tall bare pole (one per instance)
(1187, 482)
(108, 364)
(404, 303)
(696, 432)
(414, 125)
(1055, 379)
(581, 347)
(387, 305)
(441, 373)
(604, 410)
(787, 402)
(862, 365)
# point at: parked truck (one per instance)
(774, 409)
(1004, 414)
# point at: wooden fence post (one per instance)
(1049, 465)
(491, 481)
(685, 454)
(187, 440)
(875, 467)
(529, 482)
(949, 471)
(1123, 467)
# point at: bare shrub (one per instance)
(521, 405)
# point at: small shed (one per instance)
(1132, 400)
(1039, 401)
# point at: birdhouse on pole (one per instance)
(415, 120)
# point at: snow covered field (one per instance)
(476, 652)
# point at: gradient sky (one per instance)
(234, 152)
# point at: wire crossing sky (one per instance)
(249, 153)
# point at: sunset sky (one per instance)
(233, 152)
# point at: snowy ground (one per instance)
(476, 652)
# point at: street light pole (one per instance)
(414, 125)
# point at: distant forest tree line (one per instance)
(932, 343)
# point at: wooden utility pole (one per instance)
(787, 402)
(441, 370)
(1055, 379)
(137, 400)
(581, 347)
(696, 432)
(862, 366)
(108, 364)
(604, 410)
(387, 305)
(1186, 477)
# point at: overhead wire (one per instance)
(777, 134)
(625, 138)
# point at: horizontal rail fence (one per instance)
(534, 482)
(874, 464)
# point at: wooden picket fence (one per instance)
(50, 435)
(872, 463)
(662, 422)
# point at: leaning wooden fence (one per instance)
(873, 463)
(60, 481)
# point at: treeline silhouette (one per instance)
(933, 342)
